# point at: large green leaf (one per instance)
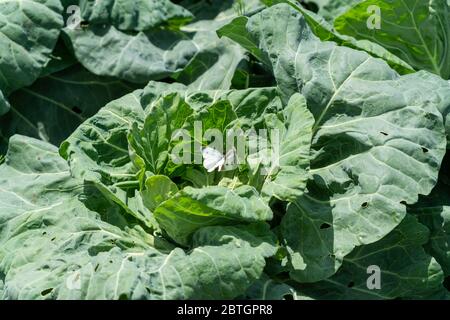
(134, 15)
(237, 31)
(378, 140)
(326, 32)
(416, 31)
(214, 67)
(53, 107)
(157, 190)
(28, 32)
(98, 149)
(406, 271)
(98, 154)
(192, 209)
(193, 54)
(323, 30)
(53, 247)
(286, 178)
(138, 58)
(434, 212)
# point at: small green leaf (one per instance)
(157, 190)
(192, 209)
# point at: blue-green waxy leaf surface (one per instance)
(191, 209)
(287, 179)
(28, 32)
(403, 269)
(141, 47)
(134, 15)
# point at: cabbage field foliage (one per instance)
(221, 149)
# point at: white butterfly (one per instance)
(73, 281)
(213, 159)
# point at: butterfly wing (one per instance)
(229, 160)
(212, 159)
